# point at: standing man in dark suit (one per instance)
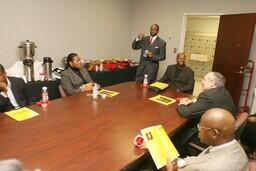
(11, 92)
(179, 76)
(153, 50)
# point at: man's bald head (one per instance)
(220, 126)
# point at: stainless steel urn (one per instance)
(28, 58)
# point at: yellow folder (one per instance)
(108, 93)
(159, 85)
(159, 145)
(162, 99)
(22, 114)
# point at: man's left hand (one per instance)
(150, 55)
(172, 165)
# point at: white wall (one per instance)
(94, 29)
(169, 15)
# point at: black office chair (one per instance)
(197, 147)
(241, 119)
(62, 91)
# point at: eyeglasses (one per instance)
(202, 127)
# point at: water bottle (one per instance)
(145, 81)
(95, 91)
(145, 54)
(45, 96)
(96, 68)
(101, 67)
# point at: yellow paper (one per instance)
(162, 99)
(159, 145)
(159, 85)
(108, 93)
(22, 114)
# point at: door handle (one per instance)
(239, 72)
(242, 70)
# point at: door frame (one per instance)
(197, 88)
(184, 26)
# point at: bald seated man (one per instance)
(216, 128)
(178, 76)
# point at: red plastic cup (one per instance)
(139, 141)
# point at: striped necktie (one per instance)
(151, 40)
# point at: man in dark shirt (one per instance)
(179, 76)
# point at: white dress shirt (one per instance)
(181, 162)
(10, 95)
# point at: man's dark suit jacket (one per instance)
(149, 66)
(17, 86)
(184, 82)
(213, 98)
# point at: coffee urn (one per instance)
(28, 59)
(47, 65)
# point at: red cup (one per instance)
(139, 141)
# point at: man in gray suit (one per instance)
(178, 76)
(216, 128)
(153, 50)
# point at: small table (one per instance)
(116, 76)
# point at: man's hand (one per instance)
(141, 35)
(185, 101)
(150, 55)
(3, 87)
(171, 165)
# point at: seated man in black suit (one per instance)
(12, 94)
(179, 76)
(214, 95)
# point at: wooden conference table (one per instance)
(79, 133)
